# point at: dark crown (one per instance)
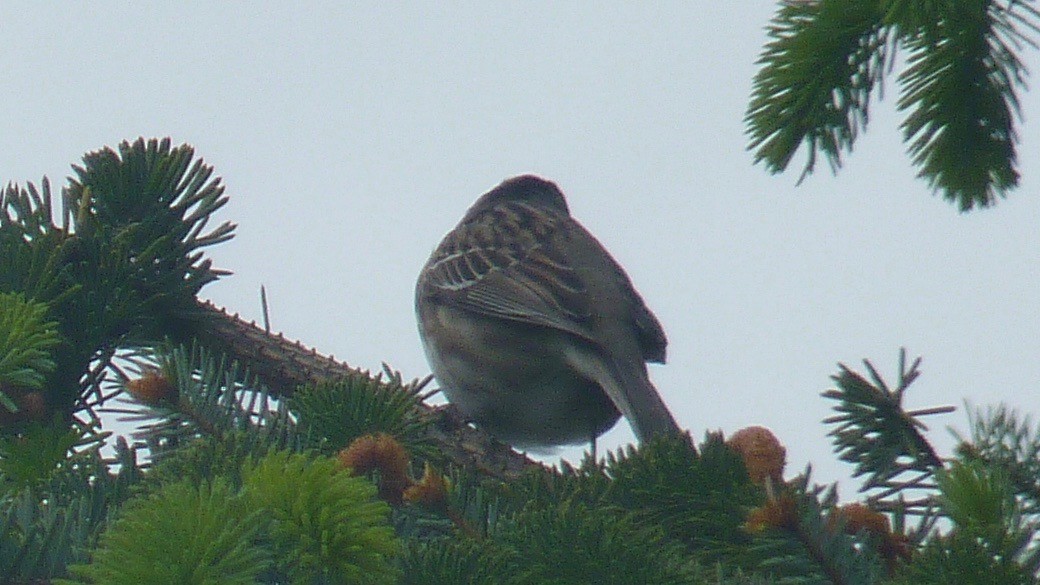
(525, 189)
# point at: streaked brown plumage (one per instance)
(532, 329)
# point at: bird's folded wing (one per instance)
(536, 286)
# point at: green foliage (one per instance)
(123, 268)
(560, 543)
(811, 549)
(448, 561)
(818, 71)
(1002, 440)
(986, 495)
(207, 458)
(335, 412)
(572, 543)
(44, 527)
(474, 504)
(700, 498)
(138, 220)
(324, 525)
(588, 483)
(718, 575)
(990, 542)
(959, 88)
(31, 245)
(295, 519)
(980, 501)
(643, 509)
(34, 455)
(183, 535)
(215, 397)
(26, 339)
(959, 558)
(977, 499)
(874, 432)
(152, 202)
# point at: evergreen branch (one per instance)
(40, 450)
(124, 268)
(155, 192)
(816, 79)
(451, 562)
(196, 393)
(203, 534)
(990, 541)
(31, 245)
(335, 413)
(282, 365)
(571, 542)
(960, 88)
(1002, 440)
(825, 58)
(323, 524)
(140, 228)
(875, 433)
(978, 499)
(801, 540)
(127, 264)
(698, 497)
(28, 211)
(44, 528)
(962, 559)
(26, 339)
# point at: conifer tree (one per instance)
(259, 460)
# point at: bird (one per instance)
(531, 328)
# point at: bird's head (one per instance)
(523, 189)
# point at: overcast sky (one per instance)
(352, 138)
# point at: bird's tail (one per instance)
(637, 398)
(628, 386)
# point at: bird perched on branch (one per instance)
(533, 331)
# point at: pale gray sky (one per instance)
(352, 136)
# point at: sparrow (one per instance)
(532, 329)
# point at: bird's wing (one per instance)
(649, 333)
(607, 281)
(511, 264)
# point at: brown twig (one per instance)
(283, 365)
